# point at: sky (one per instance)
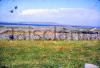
(69, 12)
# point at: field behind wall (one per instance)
(48, 54)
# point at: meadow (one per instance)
(48, 53)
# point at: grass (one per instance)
(48, 54)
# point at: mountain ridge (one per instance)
(45, 24)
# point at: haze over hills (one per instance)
(45, 24)
(29, 23)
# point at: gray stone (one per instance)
(90, 66)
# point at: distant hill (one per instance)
(29, 23)
(44, 24)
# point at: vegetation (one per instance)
(48, 54)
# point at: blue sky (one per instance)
(70, 12)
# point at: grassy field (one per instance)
(48, 54)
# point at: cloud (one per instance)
(60, 12)
(37, 12)
(69, 15)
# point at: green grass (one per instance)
(48, 54)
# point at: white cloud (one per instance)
(70, 15)
(70, 12)
(38, 11)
